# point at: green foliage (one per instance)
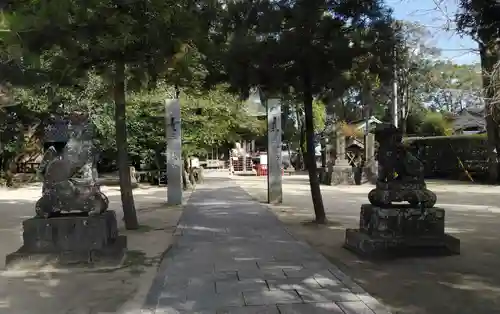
(267, 45)
(414, 122)
(73, 37)
(213, 118)
(435, 124)
(479, 19)
(319, 115)
(209, 119)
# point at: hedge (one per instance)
(441, 154)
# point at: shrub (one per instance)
(435, 124)
(441, 154)
(414, 121)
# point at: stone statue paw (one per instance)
(100, 204)
(44, 207)
(420, 198)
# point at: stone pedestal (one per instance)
(71, 239)
(337, 175)
(339, 172)
(342, 175)
(400, 229)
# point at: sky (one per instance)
(437, 16)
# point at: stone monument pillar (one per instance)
(244, 148)
(340, 148)
(386, 225)
(174, 151)
(274, 162)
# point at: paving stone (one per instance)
(193, 290)
(250, 310)
(215, 301)
(311, 308)
(236, 265)
(241, 286)
(373, 304)
(330, 284)
(346, 280)
(325, 295)
(169, 303)
(214, 276)
(280, 266)
(316, 265)
(356, 307)
(293, 284)
(196, 269)
(261, 274)
(176, 311)
(173, 295)
(178, 281)
(271, 297)
(309, 273)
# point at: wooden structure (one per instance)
(469, 120)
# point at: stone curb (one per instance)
(376, 306)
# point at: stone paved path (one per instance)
(234, 256)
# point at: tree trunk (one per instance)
(317, 199)
(488, 60)
(129, 213)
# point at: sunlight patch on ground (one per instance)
(200, 228)
(472, 283)
(470, 207)
(34, 193)
(458, 230)
(4, 303)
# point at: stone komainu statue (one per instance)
(397, 164)
(385, 225)
(401, 175)
(70, 177)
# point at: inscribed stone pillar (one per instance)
(174, 151)
(274, 163)
(370, 147)
(341, 160)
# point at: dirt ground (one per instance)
(465, 284)
(28, 290)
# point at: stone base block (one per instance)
(401, 220)
(71, 238)
(339, 175)
(379, 247)
(111, 255)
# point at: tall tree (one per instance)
(480, 20)
(128, 43)
(305, 46)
